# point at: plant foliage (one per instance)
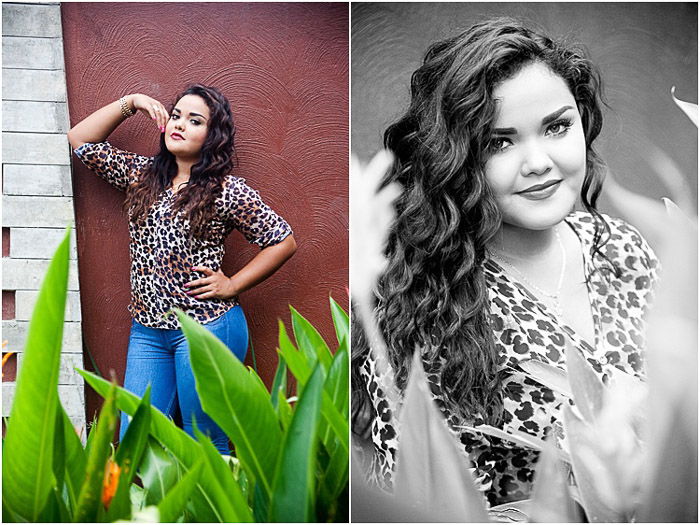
(291, 452)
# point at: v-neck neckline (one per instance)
(545, 309)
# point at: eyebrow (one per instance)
(192, 114)
(546, 120)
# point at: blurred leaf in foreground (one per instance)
(431, 478)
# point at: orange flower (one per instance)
(110, 483)
(6, 356)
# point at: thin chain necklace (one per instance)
(554, 296)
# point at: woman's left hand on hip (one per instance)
(214, 285)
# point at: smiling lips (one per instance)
(541, 191)
(176, 136)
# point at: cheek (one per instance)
(200, 135)
(570, 157)
(501, 174)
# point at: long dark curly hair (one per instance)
(433, 295)
(217, 160)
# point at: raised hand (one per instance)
(151, 107)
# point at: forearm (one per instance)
(263, 265)
(99, 125)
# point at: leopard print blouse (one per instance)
(162, 254)
(525, 328)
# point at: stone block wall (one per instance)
(37, 188)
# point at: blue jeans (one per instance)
(161, 358)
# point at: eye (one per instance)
(497, 144)
(174, 116)
(195, 122)
(559, 127)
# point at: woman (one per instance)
(182, 204)
(488, 263)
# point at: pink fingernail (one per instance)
(162, 129)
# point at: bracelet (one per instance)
(126, 110)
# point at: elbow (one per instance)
(75, 142)
(291, 246)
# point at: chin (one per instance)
(539, 217)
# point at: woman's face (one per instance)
(187, 128)
(537, 153)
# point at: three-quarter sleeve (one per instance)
(118, 167)
(246, 212)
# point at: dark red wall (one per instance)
(284, 67)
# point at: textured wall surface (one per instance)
(641, 49)
(37, 192)
(284, 67)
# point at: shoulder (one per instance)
(625, 244)
(620, 230)
(236, 187)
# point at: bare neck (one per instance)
(184, 167)
(528, 245)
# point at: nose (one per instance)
(179, 125)
(536, 160)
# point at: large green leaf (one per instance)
(128, 457)
(159, 472)
(309, 340)
(336, 395)
(232, 500)
(173, 504)
(295, 482)
(284, 413)
(27, 465)
(91, 490)
(341, 322)
(236, 400)
(299, 364)
(335, 479)
(279, 384)
(75, 458)
(335, 476)
(174, 439)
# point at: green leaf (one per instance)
(341, 322)
(159, 472)
(236, 400)
(28, 446)
(59, 450)
(586, 388)
(335, 419)
(335, 478)
(91, 490)
(336, 389)
(128, 457)
(299, 364)
(231, 497)
(174, 439)
(75, 458)
(279, 384)
(294, 488)
(284, 413)
(309, 340)
(173, 505)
